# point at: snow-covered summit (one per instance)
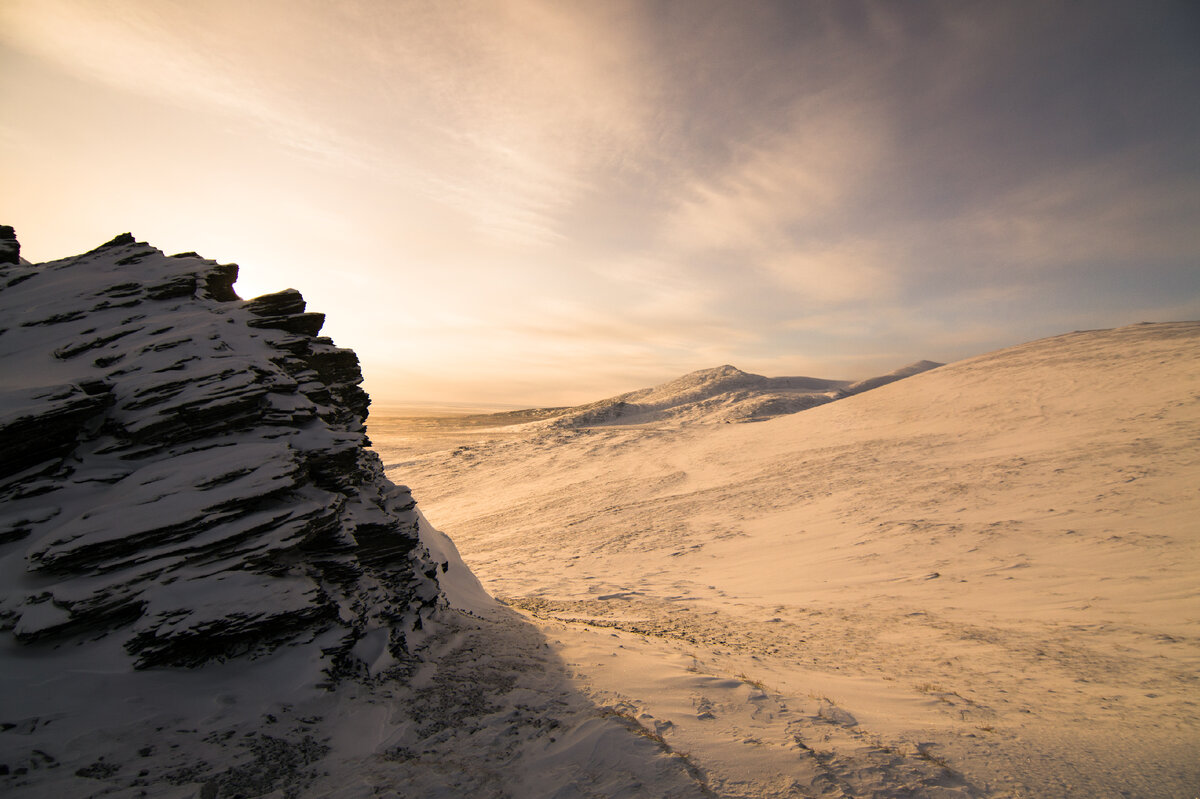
(723, 394)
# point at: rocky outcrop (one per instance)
(10, 248)
(209, 589)
(185, 472)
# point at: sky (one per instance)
(545, 203)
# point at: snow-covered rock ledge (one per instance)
(187, 472)
(209, 589)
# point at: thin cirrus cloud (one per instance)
(536, 191)
(147, 49)
(463, 132)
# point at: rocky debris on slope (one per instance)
(186, 472)
(723, 394)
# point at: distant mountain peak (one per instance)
(725, 370)
(722, 394)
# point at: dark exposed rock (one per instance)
(182, 286)
(198, 486)
(281, 303)
(120, 240)
(10, 248)
(334, 366)
(302, 324)
(219, 280)
(45, 423)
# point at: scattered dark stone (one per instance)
(98, 770)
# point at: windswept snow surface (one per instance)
(979, 581)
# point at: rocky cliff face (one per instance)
(184, 472)
(209, 589)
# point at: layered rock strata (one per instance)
(186, 472)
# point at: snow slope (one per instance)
(978, 581)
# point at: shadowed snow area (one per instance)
(977, 581)
(209, 589)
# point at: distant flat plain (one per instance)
(399, 432)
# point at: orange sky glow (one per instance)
(546, 203)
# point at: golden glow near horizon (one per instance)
(547, 202)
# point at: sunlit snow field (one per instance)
(981, 580)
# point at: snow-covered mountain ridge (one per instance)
(722, 394)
